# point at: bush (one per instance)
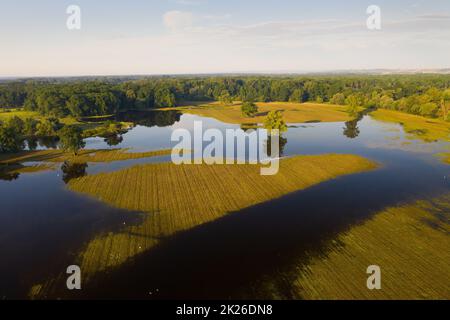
(249, 109)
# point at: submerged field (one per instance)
(410, 244)
(177, 198)
(292, 112)
(87, 155)
(416, 126)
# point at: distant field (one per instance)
(410, 244)
(416, 126)
(292, 112)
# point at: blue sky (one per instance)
(208, 36)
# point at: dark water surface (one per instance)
(43, 226)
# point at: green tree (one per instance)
(16, 123)
(274, 121)
(225, 97)
(338, 98)
(71, 139)
(164, 98)
(352, 102)
(45, 128)
(249, 109)
(30, 127)
(10, 139)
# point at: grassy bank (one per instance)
(410, 244)
(177, 198)
(416, 127)
(292, 112)
(83, 156)
(11, 164)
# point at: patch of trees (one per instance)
(15, 131)
(426, 95)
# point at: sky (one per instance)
(138, 37)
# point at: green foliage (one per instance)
(164, 98)
(10, 139)
(249, 109)
(71, 139)
(46, 128)
(225, 97)
(407, 93)
(275, 121)
(16, 123)
(353, 102)
(338, 98)
(30, 127)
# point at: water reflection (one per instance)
(73, 170)
(113, 139)
(9, 176)
(351, 129)
(282, 144)
(150, 118)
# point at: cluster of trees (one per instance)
(426, 95)
(15, 131)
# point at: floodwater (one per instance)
(43, 225)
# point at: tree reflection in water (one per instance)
(72, 170)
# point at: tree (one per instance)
(225, 97)
(71, 139)
(30, 127)
(16, 123)
(274, 121)
(10, 139)
(164, 98)
(352, 102)
(444, 104)
(249, 109)
(45, 129)
(338, 98)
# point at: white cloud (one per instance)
(178, 20)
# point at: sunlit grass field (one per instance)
(410, 244)
(292, 112)
(177, 198)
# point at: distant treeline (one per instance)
(426, 95)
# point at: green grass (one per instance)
(409, 242)
(292, 112)
(416, 127)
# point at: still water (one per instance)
(43, 225)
